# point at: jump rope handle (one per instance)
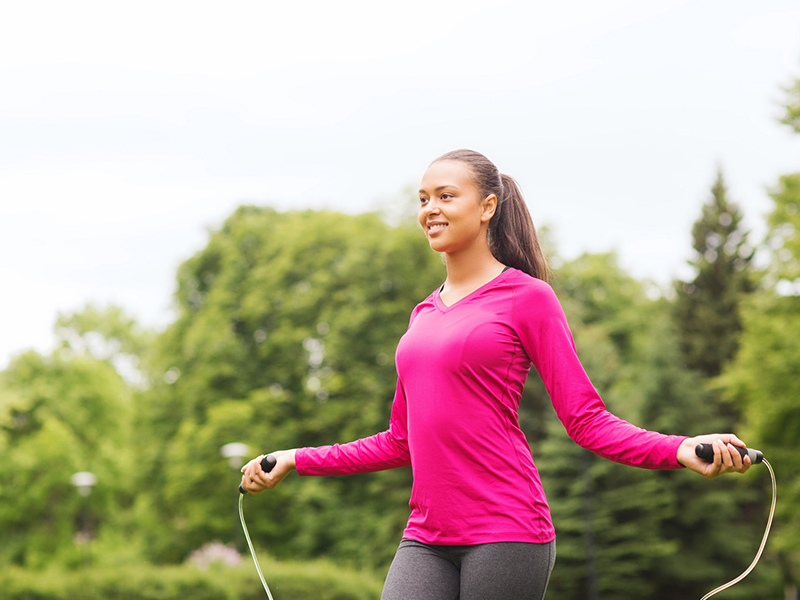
(706, 452)
(267, 463)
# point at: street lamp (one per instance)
(235, 452)
(83, 481)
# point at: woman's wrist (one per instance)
(685, 452)
(290, 457)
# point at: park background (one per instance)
(208, 237)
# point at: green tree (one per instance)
(711, 523)
(792, 115)
(285, 337)
(57, 417)
(763, 379)
(665, 535)
(108, 334)
(706, 310)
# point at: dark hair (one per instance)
(512, 236)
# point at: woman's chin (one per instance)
(437, 246)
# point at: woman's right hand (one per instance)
(255, 480)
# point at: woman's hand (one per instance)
(255, 480)
(726, 457)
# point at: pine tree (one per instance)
(763, 381)
(711, 522)
(706, 310)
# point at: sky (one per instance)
(130, 131)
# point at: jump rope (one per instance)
(704, 451)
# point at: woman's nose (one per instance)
(431, 207)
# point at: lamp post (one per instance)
(83, 482)
(235, 452)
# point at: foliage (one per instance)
(783, 237)
(107, 334)
(716, 524)
(318, 580)
(792, 115)
(286, 329)
(706, 310)
(668, 534)
(58, 417)
(762, 381)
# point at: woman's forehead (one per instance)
(446, 173)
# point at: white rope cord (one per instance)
(252, 550)
(733, 582)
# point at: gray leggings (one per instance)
(501, 571)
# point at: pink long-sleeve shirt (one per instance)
(461, 370)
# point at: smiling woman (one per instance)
(478, 508)
(508, 230)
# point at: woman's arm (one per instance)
(542, 326)
(385, 450)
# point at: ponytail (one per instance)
(512, 236)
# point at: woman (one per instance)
(480, 527)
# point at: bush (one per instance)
(318, 580)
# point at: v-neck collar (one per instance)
(439, 303)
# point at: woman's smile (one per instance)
(435, 227)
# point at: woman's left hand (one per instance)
(726, 457)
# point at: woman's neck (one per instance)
(467, 271)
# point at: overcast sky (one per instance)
(129, 130)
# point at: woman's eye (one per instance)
(423, 200)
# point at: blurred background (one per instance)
(207, 221)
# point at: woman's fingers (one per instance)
(726, 456)
(253, 476)
(730, 459)
(255, 480)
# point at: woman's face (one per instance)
(452, 212)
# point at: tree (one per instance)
(792, 115)
(285, 336)
(706, 310)
(57, 417)
(712, 523)
(666, 535)
(108, 334)
(763, 379)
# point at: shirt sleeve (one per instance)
(540, 322)
(385, 450)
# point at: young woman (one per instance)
(480, 527)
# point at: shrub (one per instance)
(318, 580)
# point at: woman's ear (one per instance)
(489, 208)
